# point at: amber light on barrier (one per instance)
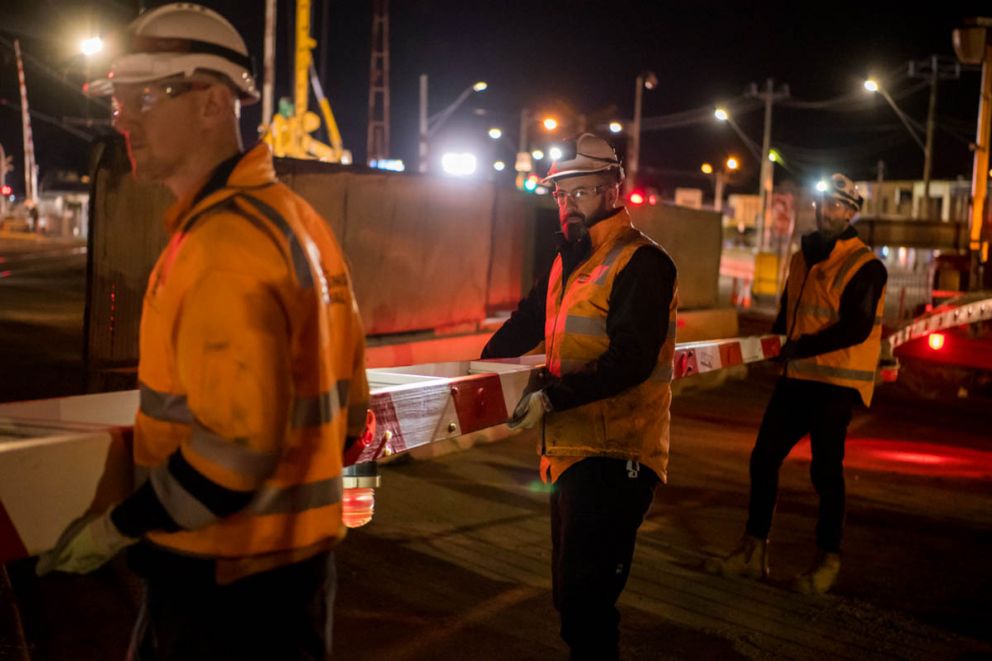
(357, 506)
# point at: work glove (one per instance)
(86, 544)
(529, 410)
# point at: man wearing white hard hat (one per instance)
(831, 312)
(606, 317)
(251, 371)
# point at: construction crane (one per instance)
(289, 131)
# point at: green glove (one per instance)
(86, 544)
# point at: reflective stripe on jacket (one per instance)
(813, 298)
(633, 424)
(252, 366)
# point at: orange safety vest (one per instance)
(813, 299)
(252, 365)
(634, 424)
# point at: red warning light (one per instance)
(652, 200)
(6, 190)
(936, 341)
(636, 198)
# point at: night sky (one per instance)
(571, 58)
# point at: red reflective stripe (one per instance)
(11, 546)
(479, 402)
(730, 354)
(770, 346)
(685, 363)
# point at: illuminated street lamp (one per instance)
(550, 123)
(537, 154)
(554, 153)
(91, 46)
(430, 125)
(645, 80)
(459, 164)
(495, 133)
(720, 179)
(615, 127)
(499, 166)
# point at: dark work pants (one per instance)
(797, 408)
(284, 613)
(596, 509)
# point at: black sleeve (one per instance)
(143, 512)
(779, 326)
(857, 310)
(637, 324)
(524, 330)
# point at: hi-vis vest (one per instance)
(633, 424)
(273, 241)
(813, 303)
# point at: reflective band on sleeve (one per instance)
(319, 409)
(663, 373)
(185, 510)
(232, 454)
(164, 406)
(297, 498)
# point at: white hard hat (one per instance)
(587, 154)
(178, 39)
(842, 188)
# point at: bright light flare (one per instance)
(91, 46)
(459, 164)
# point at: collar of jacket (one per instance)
(253, 169)
(817, 248)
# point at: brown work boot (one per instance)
(749, 559)
(821, 576)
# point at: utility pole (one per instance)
(30, 169)
(422, 141)
(644, 80)
(934, 68)
(268, 66)
(377, 145)
(5, 165)
(769, 96)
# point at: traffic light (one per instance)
(637, 198)
(6, 190)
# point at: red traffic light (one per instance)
(636, 198)
(6, 189)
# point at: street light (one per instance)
(720, 179)
(706, 168)
(645, 80)
(537, 154)
(874, 86)
(459, 164)
(550, 123)
(430, 125)
(615, 127)
(91, 46)
(721, 114)
(499, 166)
(732, 163)
(495, 133)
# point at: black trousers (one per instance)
(284, 613)
(597, 506)
(797, 408)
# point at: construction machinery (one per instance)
(289, 132)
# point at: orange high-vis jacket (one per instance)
(634, 424)
(813, 299)
(252, 368)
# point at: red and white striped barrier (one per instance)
(963, 310)
(61, 457)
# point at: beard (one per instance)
(575, 225)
